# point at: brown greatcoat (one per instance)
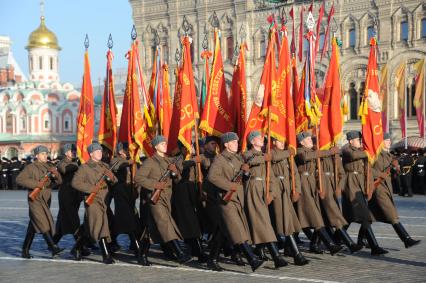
(125, 213)
(308, 206)
(284, 217)
(39, 209)
(354, 204)
(223, 169)
(69, 199)
(256, 208)
(185, 201)
(381, 204)
(85, 180)
(332, 214)
(162, 226)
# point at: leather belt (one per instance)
(329, 173)
(354, 172)
(257, 178)
(306, 174)
(281, 177)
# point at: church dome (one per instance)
(42, 37)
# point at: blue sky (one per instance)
(70, 20)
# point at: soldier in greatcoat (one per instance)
(284, 216)
(354, 202)
(158, 173)
(94, 176)
(221, 174)
(39, 175)
(308, 205)
(381, 204)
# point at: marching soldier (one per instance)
(5, 173)
(284, 216)
(158, 173)
(354, 203)
(14, 168)
(256, 203)
(308, 206)
(68, 220)
(185, 199)
(125, 215)
(221, 174)
(331, 212)
(39, 176)
(406, 162)
(420, 174)
(382, 205)
(92, 177)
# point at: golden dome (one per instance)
(42, 37)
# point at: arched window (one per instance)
(262, 47)
(229, 48)
(9, 122)
(322, 37)
(423, 35)
(51, 63)
(47, 121)
(31, 64)
(352, 38)
(370, 34)
(404, 31)
(165, 49)
(411, 92)
(67, 126)
(40, 63)
(353, 98)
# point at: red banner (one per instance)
(165, 104)
(86, 114)
(419, 97)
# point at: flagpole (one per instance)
(406, 106)
(268, 163)
(424, 104)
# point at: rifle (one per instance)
(236, 179)
(156, 195)
(33, 195)
(380, 179)
(98, 184)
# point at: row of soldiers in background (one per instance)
(230, 206)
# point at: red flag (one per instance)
(301, 118)
(301, 34)
(293, 39)
(107, 134)
(257, 119)
(153, 89)
(331, 125)
(327, 31)
(216, 118)
(86, 114)
(165, 104)
(132, 126)
(400, 86)
(239, 93)
(370, 108)
(384, 95)
(185, 107)
(282, 103)
(419, 96)
(318, 39)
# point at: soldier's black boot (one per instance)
(361, 238)
(236, 256)
(145, 244)
(106, 254)
(344, 236)
(314, 245)
(57, 237)
(371, 239)
(76, 251)
(259, 250)
(299, 259)
(288, 250)
(328, 242)
(197, 249)
(54, 249)
(281, 241)
(213, 260)
(308, 233)
(404, 236)
(296, 237)
(137, 248)
(180, 255)
(254, 262)
(28, 241)
(279, 261)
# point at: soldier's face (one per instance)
(161, 147)
(355, 142)
(42, 157)
(387, 144)
(96, 155)
(211, 147)
(307, 142)
(232, 146)
(70, 154)
(258, 141)
(279, 144)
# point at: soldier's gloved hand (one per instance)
(267, 157)
(292, 151)
(172, 168)
(54, 172)
(335, 150)
(109, 175)
(234, 187)
(197, 159)
(160, 185)
(245, 167)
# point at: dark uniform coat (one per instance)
(256, 207)
(381, 204)
(354, 203)
(223, 169)
(162, 226)
(125, 213)
(308, 206)
(85, 180)
(185, 200)
(332, 214)
(39, 209)
(69, 199)
(284, 218)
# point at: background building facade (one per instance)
(400, 26)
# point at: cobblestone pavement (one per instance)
(400, 265)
